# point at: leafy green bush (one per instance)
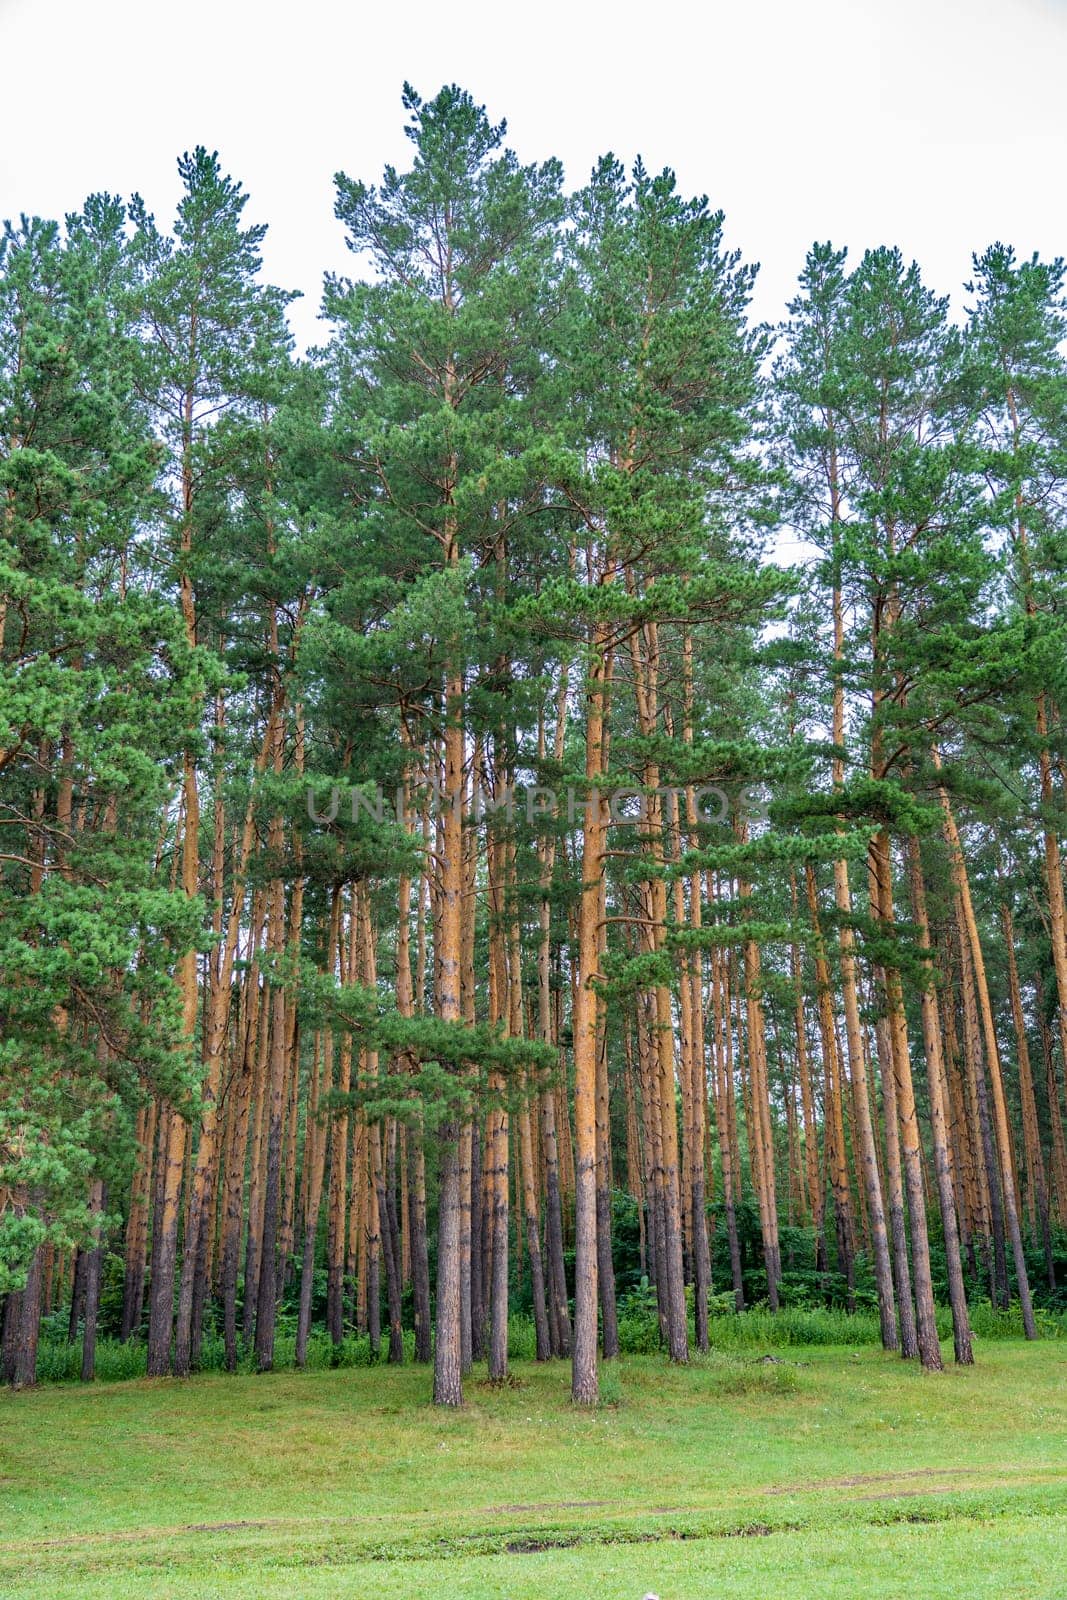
(638, 1314)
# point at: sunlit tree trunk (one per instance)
(584, 1382)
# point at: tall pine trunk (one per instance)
(1000, 1108)
(584, 1380)
(935, 1068)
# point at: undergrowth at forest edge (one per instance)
(756, 1329)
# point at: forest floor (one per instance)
(821, 1474)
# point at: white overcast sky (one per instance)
(938, 126)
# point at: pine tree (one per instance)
(809, 383)
(430, 354)
(658, 380)
(96, 681)
(201, 311)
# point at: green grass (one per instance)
(827, 1472)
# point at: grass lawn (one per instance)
(824, 1473)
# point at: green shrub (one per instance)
(991, 1322)
(756, 1329)
(522, 1339)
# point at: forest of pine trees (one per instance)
(452, 868)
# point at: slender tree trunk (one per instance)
(498, 1222)
(448, 1374)
(267, 1296)
(389, 1251)
(650, 1102)
(961, 1327)
(842, 1191)
(911, 1148)
(1057, 920)
(584, 1381)
(254, 1240)
(315, 1161)
(367, 1226)
(315, 1140)
(693, 979)
(94, 1262)
(448, 1366)
(813, 1175)
(868, 1147)
(699, 1220)
(233, 1197)
(416, 1158)
(12, 1317)
(497, 1130)
(909, 1341)
(480, 1248)
(837, 1153)
(968, 1205)
(469, 1185)
(23, 1332)
(1059, 1142)
(420, 1261)
(558, 1303)
(165, 1251)
(137, 1224)
(1035, 1162)
(653, 932)
(335, 1235)
(724, 1094)
(392, 1233)
(760, 1121)
(1057, 900)
(77, 1296)
(533, 1231)
(993, 1214)
(287, 1220)
(1000, 1109)
(165, 1241)
(635, 1177)
(378, 1165)
(857, 1053)
(216, 1022)
(609, 1321)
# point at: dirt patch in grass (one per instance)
(862, 1479)
(222, 1527)
(545, 1505)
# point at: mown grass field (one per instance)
(826, 1472)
